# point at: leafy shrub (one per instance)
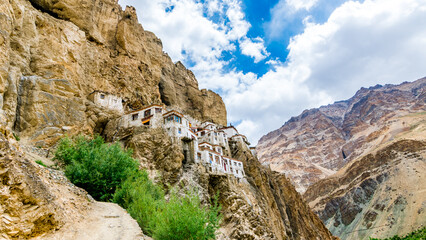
(109, 173)
(415, 235)
(97, 167)
(141, 198)
(185, 218)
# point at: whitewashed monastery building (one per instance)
(205, 143)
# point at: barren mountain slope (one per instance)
(40, 203)
(320, 141)
(380, 194)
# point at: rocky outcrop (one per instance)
(321, 141)
(378, 195)
(263, 205)
(40, 203)
(53, 54)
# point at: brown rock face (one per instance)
(267, 206)
(41, 204)
(378, 195)
(264, 205)
(54, 53)
(320, 141)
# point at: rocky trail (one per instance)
(104, 221)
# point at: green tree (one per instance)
(96, 166)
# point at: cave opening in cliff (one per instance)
(163, 95)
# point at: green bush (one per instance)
(179, 218)
(141, 198)
(185, 218)
(97, 167)
(109, 173)
(416, 235)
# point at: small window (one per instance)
(135, 116)
(158, 110)
(102, 96)
(147, 112)
(180, 131)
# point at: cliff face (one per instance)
(320, 141)
(378, 195)
(40, 203)
(53, 54)
(263, 205)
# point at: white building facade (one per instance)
(205, 143)
(107, 100)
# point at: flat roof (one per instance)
(173, 112)
(144, 108)
(208, 149)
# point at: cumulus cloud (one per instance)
(254, 48)
(363, 44)
(198, 33)
(360, 44)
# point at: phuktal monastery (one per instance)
(204, 142)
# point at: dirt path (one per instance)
(105, 221)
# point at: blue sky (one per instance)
(271, 59)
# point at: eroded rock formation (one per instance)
(53, 54)
(263, 205)
(320, 141)
(378, 195)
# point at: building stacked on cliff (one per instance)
(203, 142)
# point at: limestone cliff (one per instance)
(54, 53)
(263, 205)
(321, 141)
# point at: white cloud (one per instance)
(254, 48)
(361, 44)
(301, 4)
(197, 32)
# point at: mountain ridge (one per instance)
(302, 147)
